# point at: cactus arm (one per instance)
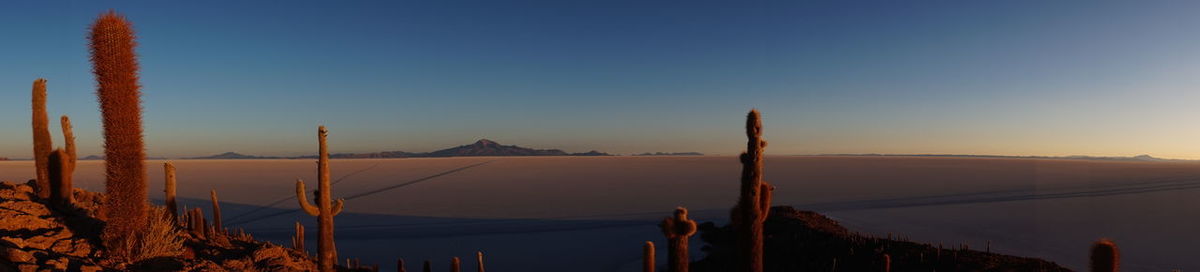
(764, 206)
(308, 208)
(337, 206)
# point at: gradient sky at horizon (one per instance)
(963, 77)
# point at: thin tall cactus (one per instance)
(1105, 256)
(648, 257)
(169, 189)
(325, 209)
(115, 65)
(42, 144)
(479, 261)
(298, 238)
(678, 229)
(887, 263)
(216, 212)
(61, 183)
(754, 202)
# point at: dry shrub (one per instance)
(161, 237)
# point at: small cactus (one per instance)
(887, 263)
(42, 144)
(755, 200)
(169, 189)
(678, 229)
(428, 266)
(1105, 256)
(479, 261)
(455, 264)
(298, 239)
(325, 209)
(648, 257)
(115, 65)
(400, 265)
(216, 211)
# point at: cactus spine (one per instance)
(755, 200)
(169, 189)
(678, 229)
(479, 260)
(42, 144)
(455, 265)
(298, 239)
(1105, 256)
(115, 65)
(648, 257)
(216, 211)
(324, 209)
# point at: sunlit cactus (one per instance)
(648, 257)
(62, 192)
(479, 261)
(115, 65)
(216, 211)
(887, 263)
(455, 264)
(298, 238)
(1105, 256)
(42, 144)
(169, 189)
(325, 209)
(754, 202)
(678, 229)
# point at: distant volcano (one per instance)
(482, 147)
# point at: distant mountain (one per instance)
(1144, 158)
(671, 154)
(92, 157)
(482, 147)
(229, 156)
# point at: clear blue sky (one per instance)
(1008, 77)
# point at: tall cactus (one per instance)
(755, 200)
(216, 211)
(115, 65)
(325, 209)
(42, 144)
(1105, 256)
(678, 229)
(62, 191)
(648, 257)
(298, 239)
(60, 179)
(169, 189)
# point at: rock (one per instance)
(90, 268)
(17, 256)
(27, 267)
(59, 264)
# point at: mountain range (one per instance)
(483, 147)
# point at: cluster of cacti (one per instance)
(1105, 257)
(54, 168)
(678, 229)
(754, 202)
(325, 208)
(115, 66)
(648, 257)
(298, 238)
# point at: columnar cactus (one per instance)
(298, 239)
(42, 144)
(115, 65)
(648, 257)
(216, 211)
(755, 200)
(400, 265)
(60, 179)
(887, 263)
(325, 209)
(479, 261)
(62, 191)
(169, 189)
(455, 265)
(1105, 256)
(678, 229)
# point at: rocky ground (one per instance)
(38, 237)
(807, 241)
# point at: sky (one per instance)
(1106, 78)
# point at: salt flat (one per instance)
(542, 213)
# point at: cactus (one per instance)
(68, 141)
(325, 209)
(400, 265)
(169, 189)
(1105, 256)
(479, 261)
(455, 264)
(887, 263)
(298, 239)
(755, 200)
(428, 266)
(216, 211)
(648, 257)
(61, 183)
(678, 229)
(42, 144)
(60, 179)
(196, 224)
(115, 65)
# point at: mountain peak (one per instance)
(485, 143)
